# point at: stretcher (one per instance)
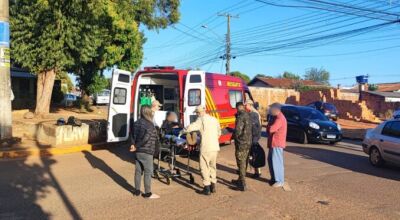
(170, 147)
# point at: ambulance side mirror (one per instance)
(256, 105)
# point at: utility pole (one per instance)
(5, 81)
(228, 41)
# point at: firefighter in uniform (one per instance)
(243, 140)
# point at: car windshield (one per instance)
(104, 93)
(312, 114)
(329, 106)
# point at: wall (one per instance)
(348, 104)
(378, 104)
(267, 96)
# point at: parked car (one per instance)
(382, 143)
(306, 124)
(102, 97)
(326, 108)
(396, 114)
(69, 100)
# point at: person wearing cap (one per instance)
(210, 131)
(243, 140)
(276, 143)
(255, 130)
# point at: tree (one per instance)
(49, 36)
(52, 36)
(243, 76)
(317, 75)
(122, 42)
(262, 75)
(290, 75)
(66, 83)
(99, 82)
(373, 87)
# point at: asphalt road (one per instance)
(328, 182)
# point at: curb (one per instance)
(12, 154)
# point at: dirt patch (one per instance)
(353, 129)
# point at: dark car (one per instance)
(306, 124)
(326, 108)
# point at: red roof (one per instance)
(283, 82)
(388, 87)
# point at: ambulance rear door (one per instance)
(119, 106)
(194, 94)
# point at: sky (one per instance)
(189, 45)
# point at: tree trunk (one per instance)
(45, 83)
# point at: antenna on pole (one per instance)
(227, 55)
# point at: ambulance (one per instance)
(178, 90)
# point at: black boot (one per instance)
(242, 186)
(212, 188)
(235, 182)
(206, 191)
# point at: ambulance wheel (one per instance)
(168, 179)
(191, 179)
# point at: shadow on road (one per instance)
(353, 162)
(22, 184)
(98, 163)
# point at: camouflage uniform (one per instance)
(243, 140)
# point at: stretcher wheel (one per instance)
(156, 175)
(191, 179)
(169, 180)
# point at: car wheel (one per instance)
(375, 157)
(304, 140)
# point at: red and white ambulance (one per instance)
(177, 90)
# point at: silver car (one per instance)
(382, 143)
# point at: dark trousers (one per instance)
(143, 165)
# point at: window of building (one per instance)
(194, 97)
(235, 97)
(119, 96)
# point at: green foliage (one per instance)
(243, 76)
(263, 75)
(318, 75)
(373, 87)
(53, 34)
(66, 83)
(290, 75)
(156, 14)
(99, 82)
(303, 88)
(84, 37)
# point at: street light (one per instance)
(212, 31)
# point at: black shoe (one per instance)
(242, 187)
(212, 188)
(235, 182)
(136, 192)
(256, 176)
(206, 191)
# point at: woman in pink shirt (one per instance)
(276, 129)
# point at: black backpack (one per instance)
(74, 121)
(257, 156)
